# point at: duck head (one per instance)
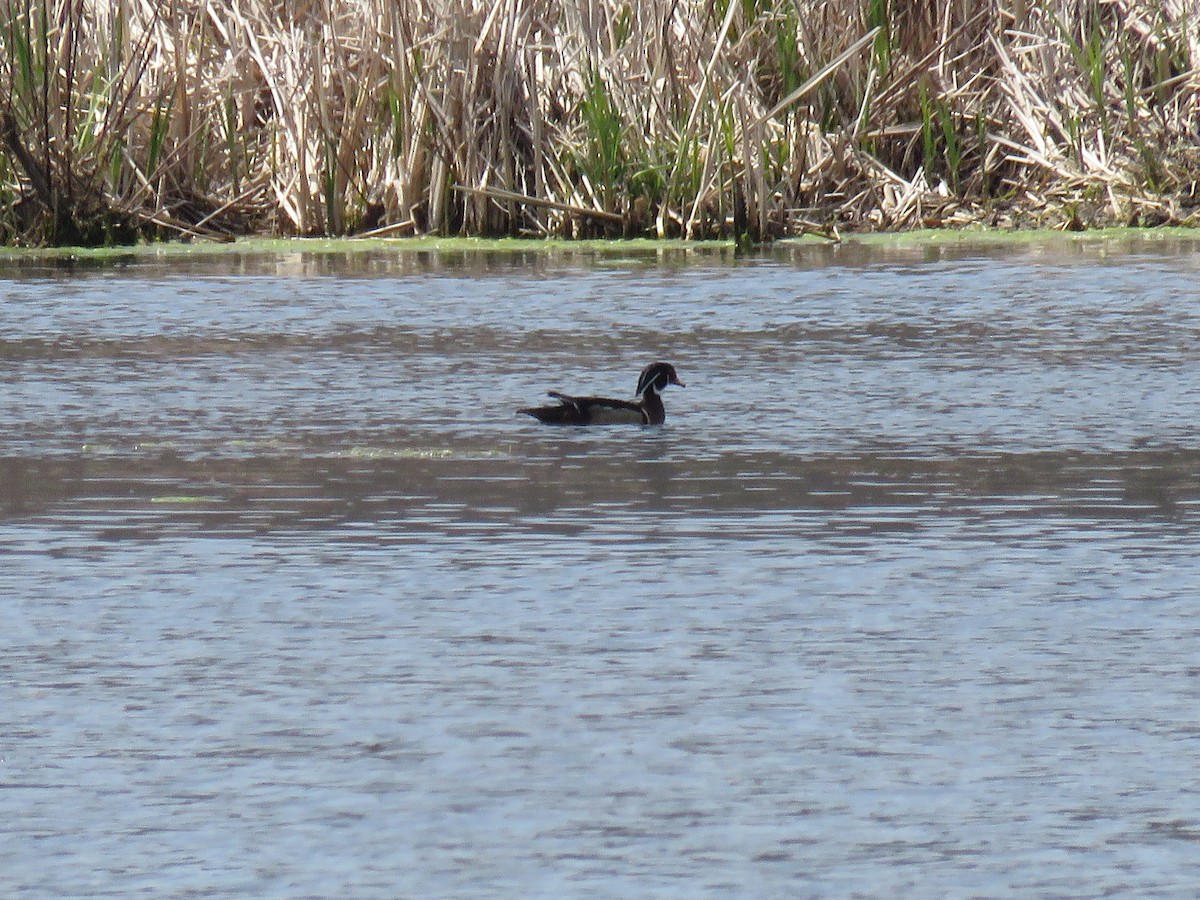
(657, 376)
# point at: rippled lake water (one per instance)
(901, 600)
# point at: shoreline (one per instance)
(273, 246)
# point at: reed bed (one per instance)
(745, 118)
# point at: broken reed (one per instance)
(748, 118)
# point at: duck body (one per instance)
(648, 410)
(596, 411)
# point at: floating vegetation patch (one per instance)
(386, 453)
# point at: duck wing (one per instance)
(567, 412)
(610, 411)
(587, 411)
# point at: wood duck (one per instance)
(608, 411)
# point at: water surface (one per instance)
(901, 597)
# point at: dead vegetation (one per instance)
(747, 118)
